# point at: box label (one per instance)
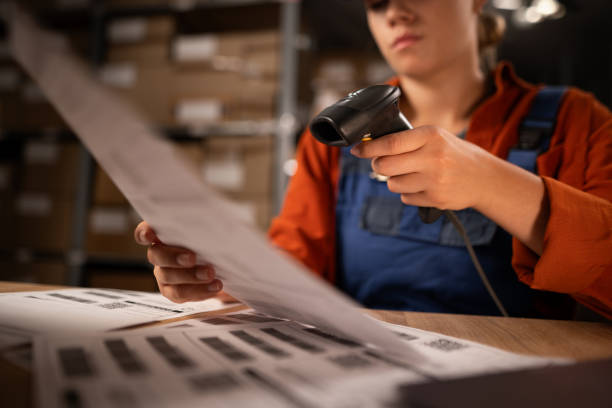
(226, 172)
(41, 153)
(37, 205)
(195, 48)
(120, 75)
(127, 30)
(109, 221)
(199, 111)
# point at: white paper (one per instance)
(87, 309)
(183, 211)
(242, 358)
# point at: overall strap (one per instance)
(537, 127)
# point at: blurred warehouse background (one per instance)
(232, 83)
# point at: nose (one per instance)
(399, 12)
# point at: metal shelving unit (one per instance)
(96, 16)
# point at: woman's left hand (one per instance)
(429, 167)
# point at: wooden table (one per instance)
(553, 338)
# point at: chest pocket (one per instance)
(387, 215)
(382, 213)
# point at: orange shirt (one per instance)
(576, 170)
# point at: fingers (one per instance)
(172, 257)
(226, 298)
(405, 163)
(180, 276)
(191, 292)
(395, 143)
(407, 183)
(144, 234)
(419, 199)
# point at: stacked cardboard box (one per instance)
(121, 278)
(241, 168)
(51, 272)
(45, 201)
(111, 222)
(193, 79)
(23, 107)
(336, 74)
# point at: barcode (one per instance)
(351, 361)
(445, 345)
(115, 305)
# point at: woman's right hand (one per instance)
(178, 277)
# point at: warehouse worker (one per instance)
(536, 202)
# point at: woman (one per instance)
(554, 228)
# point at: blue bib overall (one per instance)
(389, 259)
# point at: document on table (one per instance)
(83, 309)
(175, 202)
(245, 359)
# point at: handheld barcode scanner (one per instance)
(364, 115)
(370, 113)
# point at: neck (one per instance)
(444, 98)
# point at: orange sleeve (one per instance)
(306, 225)
(577, 256)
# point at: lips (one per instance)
(405, 41)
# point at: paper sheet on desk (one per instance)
(244, 359)
(181, 209)
(83, 309)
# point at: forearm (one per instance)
(516, 200)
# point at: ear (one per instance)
(477, 5)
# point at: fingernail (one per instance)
(203, 274)
(184, 259)
(143, 236)
(214, 287)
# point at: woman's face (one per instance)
(419, 37)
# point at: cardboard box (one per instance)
(193, 82)
(11, 78)
(105, 192)
(11, 112)
(43, 222)
(239, 164)
(203, 47)
(147, 87)
(140, 29)
(110, 233)
(48, 272)
(50, 167)
(126, 279)
(150, 53)
(191, 95)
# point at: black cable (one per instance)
(453, 218)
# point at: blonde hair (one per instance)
(491, 28)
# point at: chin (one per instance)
(410, 67)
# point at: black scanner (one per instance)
(363, 115)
